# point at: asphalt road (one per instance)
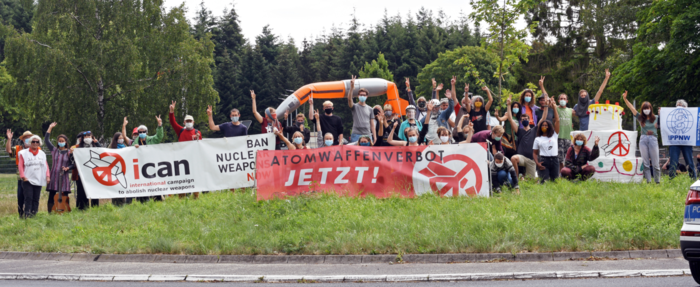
(613, 282)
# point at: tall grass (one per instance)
(554, 217)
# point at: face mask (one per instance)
(497, 139)
(525, 123)
(298, 140)
(88, 140)
(189, 125)
(274, 116)
(362, 98)
(478, 104)
(388, 113)
(421, 104)
(544, 129)
(121, 141)
(328, 111)
(579, 142)
(411, 114)
(646, 112)
(27, 142)
(499, 164)
(328, 142)
(413, 139)
(300, 123)
(444, 139)
(364, 144)
(61, 144)
(234, 119)
(562, 103)
(528, 99)
(516, 110)
(143, 135)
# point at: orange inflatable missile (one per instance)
(339, 89)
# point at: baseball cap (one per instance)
(189, 118)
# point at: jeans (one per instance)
(675, 152)
(551, 168)
(649, 148)
(502, 178)
(31, 199)
(82, 202)
(20, 198)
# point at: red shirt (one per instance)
(183, 133)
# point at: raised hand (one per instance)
(466, 88)
(430, 105)
(470, 128)
(125, 122)
(624, 95)
(408, 84)
(160, 122)
(541, 80)
(434, 83)
(508, 101)
(316, 115)
(285, 115)
(597, 140)
(352, 81)
(439, 87)
(9, 134)
(172, 107)
(607, 73)
(209, 111)
(51, 126)
(495, 113)
(252, 95)
(311, 100)
(454, 80)
(484, 88)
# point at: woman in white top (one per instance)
(34, 171)
(546, 145)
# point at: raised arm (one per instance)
(391, 140)
(629, 105)
(8, 143)
(544, 93)
(428, 112)
(453, 82)
(488, 93)
(411, 99)
(434, 95)
(352, 90)
(509, 117)
(602, 87)
(553, 106)
(212, 126)
(544, 113)
(470, 133)
(124, 131)
(311, 109)
(281, 136)
(47, 137)
(255, 108)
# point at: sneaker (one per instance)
(498, 190)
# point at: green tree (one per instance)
(379, 68)
(90, 63)
(504, 39)
(450, 63)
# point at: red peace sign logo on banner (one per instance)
(454, 181)
(617, 145)
(107, 173)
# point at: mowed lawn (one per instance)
(559, 216)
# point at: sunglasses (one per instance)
(87, 133)
(142, 132)
(36, 142)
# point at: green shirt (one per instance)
(566, 124)
(648, 127)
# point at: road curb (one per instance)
(345, 259)
(350, 278)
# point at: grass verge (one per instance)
(546, 218)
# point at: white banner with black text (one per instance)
(171, 168)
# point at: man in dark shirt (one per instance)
(526, 137)
(329, 122)
(541, 100)
(233, 128)
(296, 126)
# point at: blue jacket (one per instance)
(444, 116)
(404, 125)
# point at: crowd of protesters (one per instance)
(534, 140)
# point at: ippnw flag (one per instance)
(449, 170)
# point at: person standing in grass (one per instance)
(410, 122)
(566, 125)
(362, 114)
(269, 122)
(503, 173)
(60, 163)
(584, 101)
(297, 126)
(13, 151)
(675, 151)
(328, 122)
(188, 133)
(140, 134)
(119, 141)
(34, 171)
(234, 128)
(85, 140)
(546, 145)
(648, 142)
(415, 138)
(577, 158)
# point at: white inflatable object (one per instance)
(618, 169)
(605, 117)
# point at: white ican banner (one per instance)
(171, 168)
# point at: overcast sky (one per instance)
(309, 18)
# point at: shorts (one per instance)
(564, 145)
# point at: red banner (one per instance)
(450, 170)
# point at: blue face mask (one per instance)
(121, 146)
(298, 140)
(328, 142)
(61, 144)
(143, 135)
(234, 119)
(413, 139)
(528, 99)
(364, 144)
(516, 110)
(579, 142)
(362, 98)
(27, 141)
(498, 139)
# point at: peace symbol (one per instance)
(620, 149)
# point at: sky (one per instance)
(310, 18)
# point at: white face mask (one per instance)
(445, 139)
(121, 141)
(189, 125)
(88, 140)
(646, 112)
(499, 164)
